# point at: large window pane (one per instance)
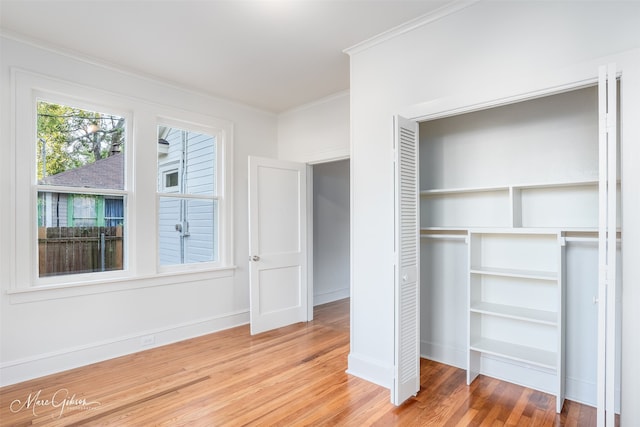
(79, 232)
(188, 225)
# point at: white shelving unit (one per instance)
(516, 306)
(528, 205)
(502, 190)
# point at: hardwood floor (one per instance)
(290, 377)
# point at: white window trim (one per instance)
(28, 89)
(27, 86)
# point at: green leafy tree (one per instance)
(71, 137)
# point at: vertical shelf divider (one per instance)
(515, 199)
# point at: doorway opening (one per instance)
(331, 231)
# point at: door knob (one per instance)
(254, 258)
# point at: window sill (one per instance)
(51, 292)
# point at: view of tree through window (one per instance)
(80, 181)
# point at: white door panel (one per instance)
(407, 268)
(277, 243)
(278, 205)
(607, 250)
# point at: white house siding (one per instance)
(169, 216)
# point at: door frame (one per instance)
(310, 223)
(310, 227)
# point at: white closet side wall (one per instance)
(330, 231)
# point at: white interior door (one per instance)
(607, 238)
(407, 266)
(277, 243)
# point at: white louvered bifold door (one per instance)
(407, 284)
(607, 238)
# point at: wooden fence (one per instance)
(68, 250)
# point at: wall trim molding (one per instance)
(328, 297)
(370, 370)
(61, 360)
(443, 354)
(411, 25)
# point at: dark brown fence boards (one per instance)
(65, 250)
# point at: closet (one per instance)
(509, 242)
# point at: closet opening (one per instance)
(509, 217)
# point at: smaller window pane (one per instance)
(188, 230)
(195, 153)
(79, 233)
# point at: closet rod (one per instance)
(444, 236)
(584, 240)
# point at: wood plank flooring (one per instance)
(294, 376)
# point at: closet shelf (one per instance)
(529, 355)
(509, 272)
(506, 188)
(518, 313)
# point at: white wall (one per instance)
(49, 331)
(316, 132)
(330, 231)
(488, 51)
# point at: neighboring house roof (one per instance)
(105, 173)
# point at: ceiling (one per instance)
(271, 54)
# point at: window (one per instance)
(84, 211)
(79, 156)
(171, 180)
(92, 190)
(188, 198)
(113, 211)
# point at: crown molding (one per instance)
(444, 11)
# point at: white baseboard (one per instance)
(443, 354)
(581, 391)
(370, 370)
(49, 363)
(330, 296)
(586, 392)
(577, 390)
